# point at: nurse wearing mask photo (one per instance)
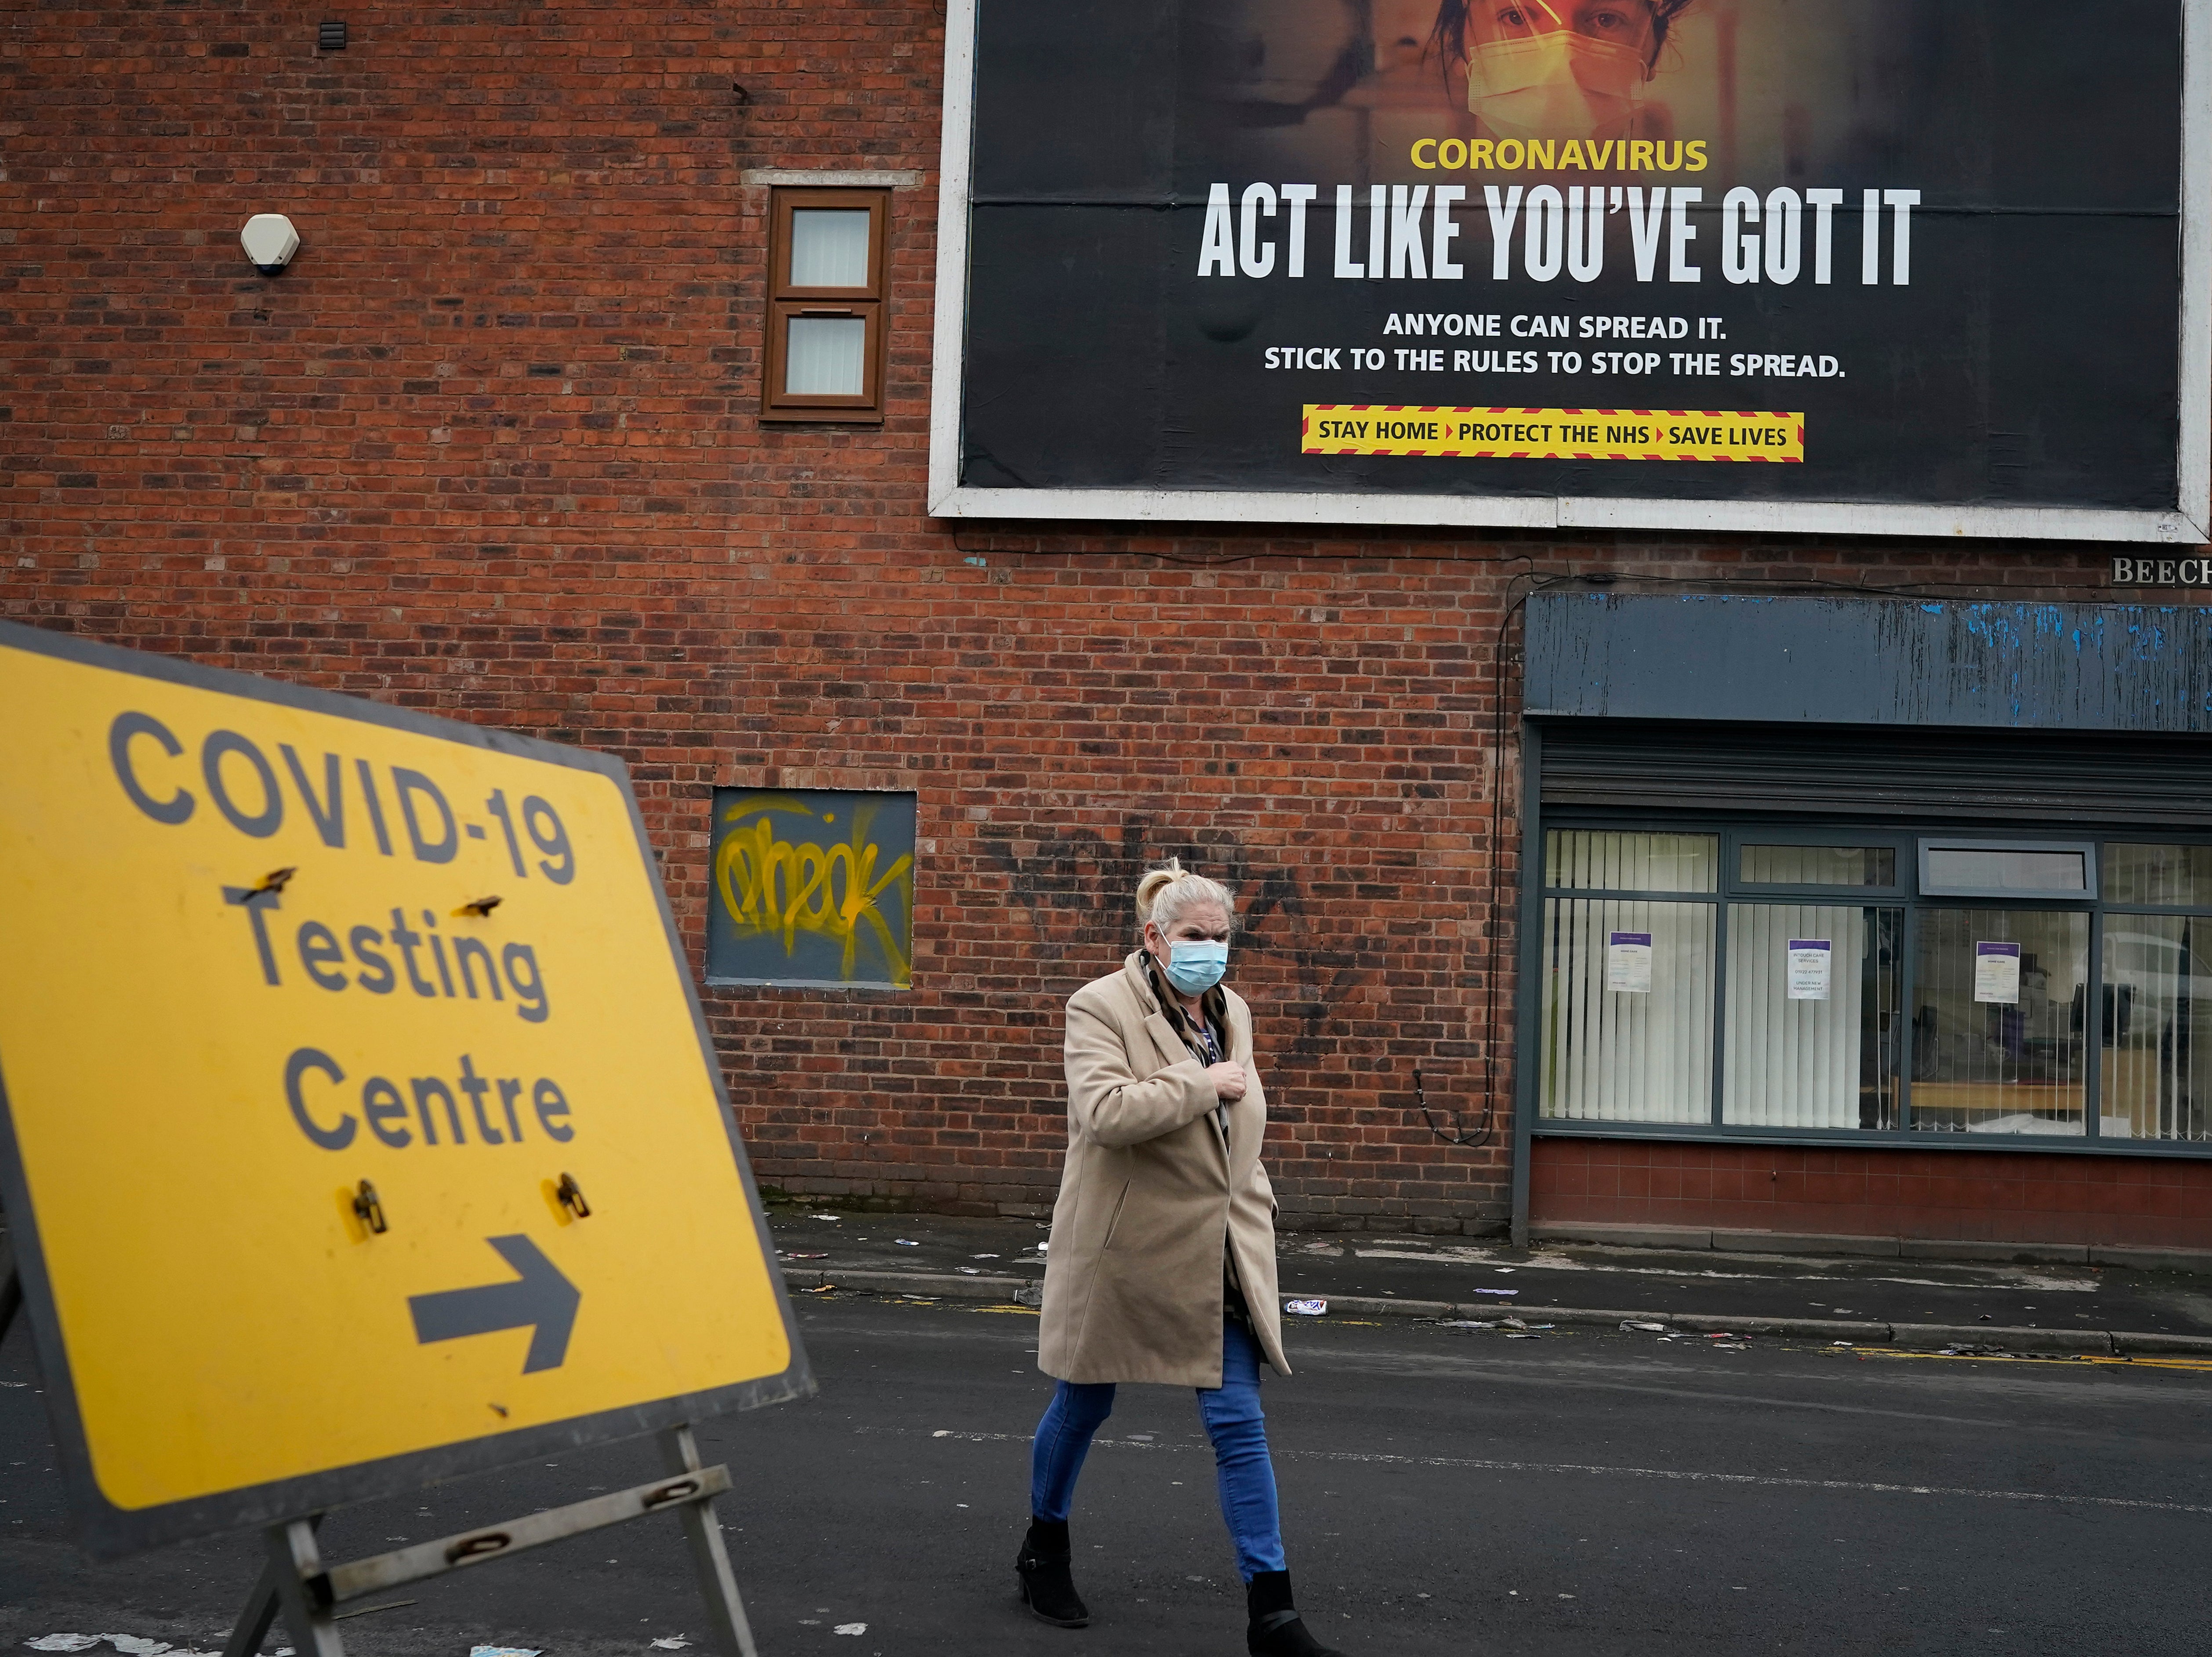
(1162, 1264)
(1558, 69)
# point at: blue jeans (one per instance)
(1245, 1476)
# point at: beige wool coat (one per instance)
(1151, 1192)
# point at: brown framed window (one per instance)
(825, 305)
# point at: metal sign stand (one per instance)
(307, 1592)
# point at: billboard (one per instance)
(1900, 266)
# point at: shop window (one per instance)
(1781, 981)
(2156, 1044)
(1581, 860)
(1814, 1022)
(2000, 869)
(824, 360)
(2179, 875)
(1628, 982)
(1998, 1037)
(1817, 865)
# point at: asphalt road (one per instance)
(1465, 1269)
(1443, 1492)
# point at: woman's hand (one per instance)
(1228, 1081)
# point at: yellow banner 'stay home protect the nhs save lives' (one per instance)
(328, 1174)
(1552, 433)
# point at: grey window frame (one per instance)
(2088, 849)
(1734, 831)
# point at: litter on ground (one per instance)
(1497, 1291)
(1656, 1328)
(1306, 1308)
(674, 1643)
(850, 1628)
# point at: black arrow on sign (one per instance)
(541, 1300)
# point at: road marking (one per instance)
(1466, 1464)
(2202, 1365)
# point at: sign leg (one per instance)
(11, 1287)
(253, 1623)
(261, 1608)
(294, 1557)
(732, 1634)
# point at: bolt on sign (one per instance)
(358, 1125)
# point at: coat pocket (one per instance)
(1114, 1224)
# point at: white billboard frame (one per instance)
(2188, 523)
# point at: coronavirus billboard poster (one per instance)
(1820, 264)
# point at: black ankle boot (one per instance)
(1276, 1628)
(1048, 1585)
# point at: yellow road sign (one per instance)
(358, 1124)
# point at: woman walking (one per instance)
(1162, 1267)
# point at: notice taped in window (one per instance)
(1628, 962)
(1997, 973)
(1809, 975)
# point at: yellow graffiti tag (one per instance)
(773, 886)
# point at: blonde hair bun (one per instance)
(1166, 892)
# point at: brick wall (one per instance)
(489, 448)
(1972, 1196)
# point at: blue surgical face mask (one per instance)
(1195, 965)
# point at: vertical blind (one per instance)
(1611, 1055)
(2157, 1051)
(830, 247)
(1806, 1061)
(827, 356)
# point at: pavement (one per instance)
(1445, 1491)
(2099, 1310)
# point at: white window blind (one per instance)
(2157, 1051)
(830, 247)
(826, 356)
(1613, 1056)
(1810, 1062)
